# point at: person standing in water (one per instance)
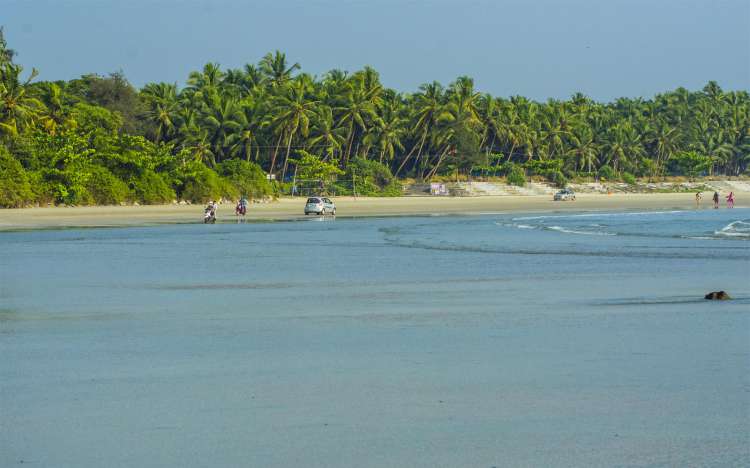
(716, 200)
(730, 200)
(697, 199)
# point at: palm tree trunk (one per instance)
(286, 158)
(512, 150)
(492, 144)
(349, 142)
(275, 152)
(434, 170)
(403, 163)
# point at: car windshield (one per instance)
(313, 200)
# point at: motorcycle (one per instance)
(209, 216)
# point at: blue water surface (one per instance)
(497, 340)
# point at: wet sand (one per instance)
(291, 208)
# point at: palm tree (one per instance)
(458, 120)
(222, 121)
(6, 54)
(163, 107)
(665, 140)
(325, 133)
(583, 150)
(462, 96)
(18, 108)
(387, 134)
(623, 146)
(333, 82)
(245, 137)
(355, 113)
(56, 114)
(275, 68)
(294, 111)
(714, 146)
(428, 105)
(207, 81)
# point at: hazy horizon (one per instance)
(538, 49)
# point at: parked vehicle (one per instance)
(320, 206)
(565, 195)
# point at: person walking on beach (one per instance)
(697, 199)
(716, 200)
(730, 200)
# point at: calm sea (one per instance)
(495, 340)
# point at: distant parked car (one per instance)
(320, 206)
(565, 195)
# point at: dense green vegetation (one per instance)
(99, 140)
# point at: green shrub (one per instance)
(516, 176)
(151, 188)
(247, 178)
(559, 179)
(15, 189)
(44, 191)
(370, 178)
(71, 193)
(199, 184)
(64, 186)
(105, 188)
(628, 178)
(546, 168)
(607, 173)
(91, 117)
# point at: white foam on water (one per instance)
(596, 215)
(585, 233)
(517, 226)
(735, 229)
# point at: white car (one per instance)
(565, 195)
(320, 206)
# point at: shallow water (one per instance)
(495, 340)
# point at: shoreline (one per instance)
(288, 209)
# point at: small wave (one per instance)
(735, 229)
(217, 286)
(689, 255)
(732, 234)
(596, 215)
(585, 233)
(638, 301)
(517, 226)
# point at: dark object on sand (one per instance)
(717, 296)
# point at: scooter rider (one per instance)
(210, 212)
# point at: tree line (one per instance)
(97, 139)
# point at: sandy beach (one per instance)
(291, 208)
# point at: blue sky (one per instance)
(535, 48)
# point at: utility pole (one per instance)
(354, 183)
(294, 181)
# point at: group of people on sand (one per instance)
(715, 198)
(240, 210)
